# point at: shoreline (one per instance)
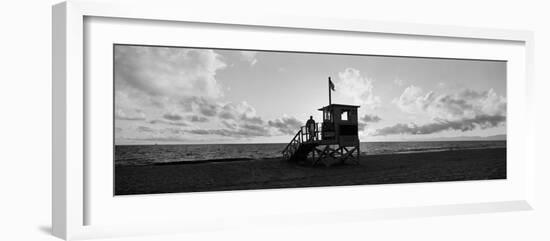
(236, 159)
(284, 143)
(245, 174)
(435, 150)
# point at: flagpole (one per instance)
(329, 94)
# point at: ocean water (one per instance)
(150, 154)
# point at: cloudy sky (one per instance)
(186, 95)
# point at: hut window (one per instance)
(326, 116)
(344, 115)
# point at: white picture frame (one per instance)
(71, 189)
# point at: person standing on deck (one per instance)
(310, 126)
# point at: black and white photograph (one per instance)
(275, 120)
(195, 119)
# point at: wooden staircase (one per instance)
(302, 144)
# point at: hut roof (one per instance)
(329, 107)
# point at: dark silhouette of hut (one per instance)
(336, 139)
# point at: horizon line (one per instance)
(268, 143)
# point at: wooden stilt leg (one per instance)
(329, 154)
(358, 154)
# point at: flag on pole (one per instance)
(330, 87)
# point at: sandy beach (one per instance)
(243, 174)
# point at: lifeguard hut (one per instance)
(335, 140)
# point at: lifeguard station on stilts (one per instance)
(335, 140)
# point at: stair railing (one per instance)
(291, 148)
(303, 135)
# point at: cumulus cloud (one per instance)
(413, 99)
(121, 114)
(236, 110)
(242, 112)
(144, 129)
(196, 118)
(230, 125)
(252, 126)
(172, 116)
(361, 125)
(255, 120)
(249, 56)
(247, 127)
(205, 106)
(178, 86)
(240, 121)
(175, 119)
(463, 111)
(199, 131)
(253, 131)
(255, 128)
(167, 72)
(370, 118)
(353, 88)
(173, 123)
(242, 126)
(466, 104)
(286, 125)
(480, 122)
(178, 123)
(365, 119)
